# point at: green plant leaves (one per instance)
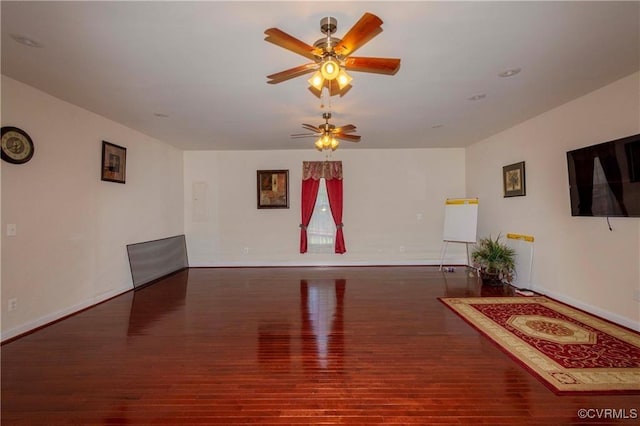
(492, 256)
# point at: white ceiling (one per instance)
(204, 65)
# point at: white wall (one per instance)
(384, 192)
(69, 251)
(577, 259)
(72, 228)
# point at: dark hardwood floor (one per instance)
(358, 345)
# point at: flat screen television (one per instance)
(604, 179)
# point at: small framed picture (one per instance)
(273, 189)
(114, 162)
(514, 180)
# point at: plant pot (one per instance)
(490, 278)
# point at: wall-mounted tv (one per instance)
(604, 179)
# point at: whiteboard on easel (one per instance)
(461, 220)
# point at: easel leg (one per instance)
(442, 253)
(468, 258)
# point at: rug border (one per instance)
(584, 312)
(534, 373)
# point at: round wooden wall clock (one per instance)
(17, 146)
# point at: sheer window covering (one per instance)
(321, 231)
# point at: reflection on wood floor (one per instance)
(357, 345)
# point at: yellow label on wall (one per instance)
(528, 238)
(462, 201)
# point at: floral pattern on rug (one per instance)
(567, 341)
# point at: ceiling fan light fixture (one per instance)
(326, 141)
(327, 134)
(331, 54)
(330, 69)
(344, 79)
(316, 80)
(334, 144)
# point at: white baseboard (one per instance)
(47, 319)
(615, 318)
(258, 263)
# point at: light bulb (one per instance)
(326, 141)
(318, 144)
(330, 69)
(317, 80)
(344, 79)
(334, 144)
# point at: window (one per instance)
(321, 231)
(315, 203)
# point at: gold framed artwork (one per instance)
(114, 163)
(514, 180)
(273, 189)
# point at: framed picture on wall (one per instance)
(273, 189)
(114, 162)
(514, 180)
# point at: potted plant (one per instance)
(494, 260)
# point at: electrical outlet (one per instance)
(12, 229)
(402, 249)
(13, 304)
(245, 250)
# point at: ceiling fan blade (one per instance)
(348, 128)
(312, 128)
(350, 138)
(291, 73)
(304, 135)
(282, 39)
(364, 30)
(388, 66)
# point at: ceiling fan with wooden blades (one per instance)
(331, 56)
(328, 134)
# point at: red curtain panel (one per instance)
(309, 195)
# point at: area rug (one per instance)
(569, 350)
